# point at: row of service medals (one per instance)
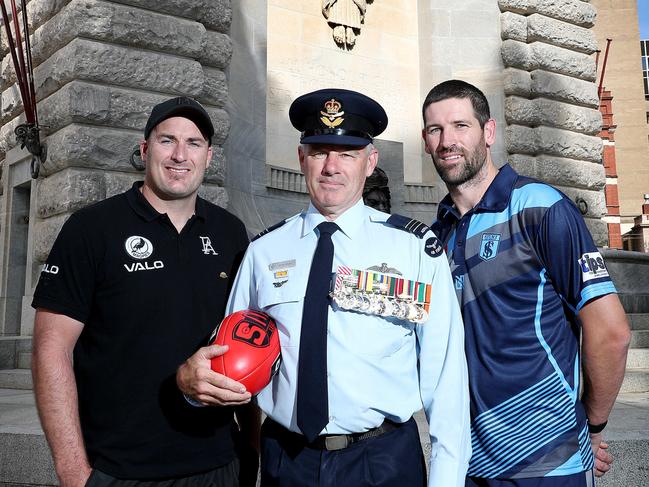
(381, 294)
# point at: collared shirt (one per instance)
(524, 264)
(148, 297)
(372, 362)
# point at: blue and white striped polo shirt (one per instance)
(524, 264)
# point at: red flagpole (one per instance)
(23, 79)
(12, 49)
(30, 68)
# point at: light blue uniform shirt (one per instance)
(373, 371)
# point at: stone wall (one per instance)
(551, 101)
(99, 67)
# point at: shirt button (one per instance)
(459, 243)
(332, 418)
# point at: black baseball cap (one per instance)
(181, 106)
(337, 116)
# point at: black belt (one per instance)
(273, 429)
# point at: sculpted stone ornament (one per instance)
(346, 17)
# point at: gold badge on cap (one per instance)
(333, 115)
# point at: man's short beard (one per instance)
(474, 161)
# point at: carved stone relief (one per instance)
(345, 17)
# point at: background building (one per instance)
(625, 68)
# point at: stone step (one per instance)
(24, 360)
(11, 347)
(638, 358)
(638, 321)
(628, 436)
(26, 461)
(16, 379)
(635, 380)
(639, 339)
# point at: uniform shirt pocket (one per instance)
(374, 336)
(283, 301)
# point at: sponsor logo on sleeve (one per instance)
(50, 269)
(592, 266)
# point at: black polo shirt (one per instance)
(149, 297)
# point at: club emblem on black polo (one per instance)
(489, 245)
(138, 247)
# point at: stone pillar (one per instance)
(99, 67)
(551, 104)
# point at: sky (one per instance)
(643, 15)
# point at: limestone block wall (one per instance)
(551, 101)
(99, 67)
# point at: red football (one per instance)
(254, 354)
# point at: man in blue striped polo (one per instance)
(530, 282)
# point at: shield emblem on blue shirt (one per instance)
(489, 246)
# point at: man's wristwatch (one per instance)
(593, 429)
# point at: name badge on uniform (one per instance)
(381, 294)
(280, 271)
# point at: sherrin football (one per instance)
(254, 354)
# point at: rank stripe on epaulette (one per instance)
(269, 229)
(410, 225)
(415, 226)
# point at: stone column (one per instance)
(551, 100)
(99, 67)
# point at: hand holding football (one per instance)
(254, 355)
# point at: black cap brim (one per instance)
(335, 139)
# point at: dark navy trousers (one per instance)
(393, 459)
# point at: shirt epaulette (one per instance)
(269, 229)
(410, 225)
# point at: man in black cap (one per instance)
(361, 351)
(132, 286)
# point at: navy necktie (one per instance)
(312, 398)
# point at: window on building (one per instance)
(644, 50)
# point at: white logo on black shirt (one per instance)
(50, 269)
(139, 266)
(138, 247)
(207, 246)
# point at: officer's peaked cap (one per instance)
(337, 116)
